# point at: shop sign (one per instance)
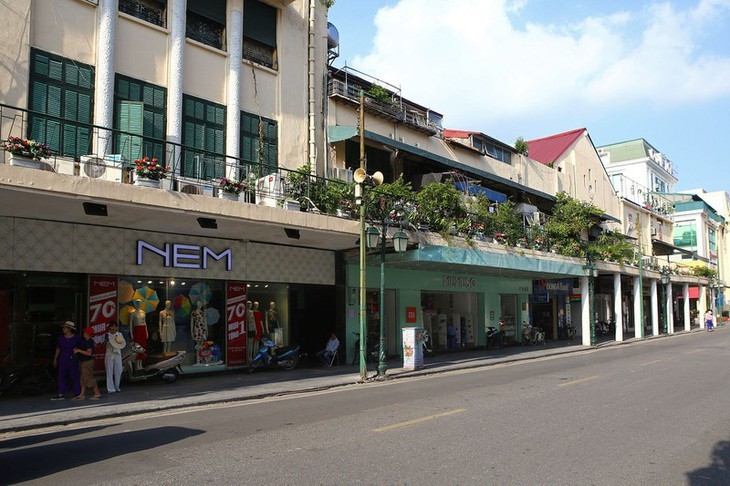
(556, 286)
(102, 311)
(411, 315)
(236, 323)
(455, 282)
(178, 255)
(540, 298)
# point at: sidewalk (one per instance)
(25, 413)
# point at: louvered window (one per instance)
(206, 22)
(63, 90)
(259, 143)
(259, 33)
(140, 109)
(204, 135)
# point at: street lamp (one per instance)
(590, 269)
(400, 243)
(666, 279)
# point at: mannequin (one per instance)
(198, 328)
(250, 330)
(259, 320)
(167, 327)
(138, 328)
(272, 321)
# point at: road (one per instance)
(647, 413)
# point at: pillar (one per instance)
(638, 318)
(685, 298)
(702, 305)
(234, 36)
(617, 311)
(654, 309)
(175, 74)
(669, 309)
(585, 312)
(106, 21)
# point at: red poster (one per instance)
(236, 323)
(102, 311)
(411, 315)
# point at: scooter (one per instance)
(373, 350)
(269, 356)
(165, 366)
(31, 378)
(495, 337)
(533, 335)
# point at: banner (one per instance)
(236, 323)
(102, 311)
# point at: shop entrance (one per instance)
(450, 319)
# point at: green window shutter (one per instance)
(55, 70)
(131, 120)
(41, 65)
(259, 22)
(210, 9)
(53, 101)
(39, 97)
(72, 74)
(71, 106)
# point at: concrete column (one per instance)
(702, 305)
(669, 309)
(638, 321)
(617, 311)
(106, 26)
(654, 309)
(175, 75)
(685, 298)
(585, 313)
(234, 35)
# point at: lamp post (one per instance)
(400, 243)
(666, 279)
(590, 269)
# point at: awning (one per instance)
(608, 217)
(481, 191)
(337, 133)
(662, 248)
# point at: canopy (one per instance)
(481, 191)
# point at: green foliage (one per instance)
(396, 195)
(328, 3)
(478, 217)
(569, 223)
(702, 271)
(507, 224)
(611, 246)
(379, 93)
(521, 146)
(440, 207)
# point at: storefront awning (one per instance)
(493, 196)
(662, 248)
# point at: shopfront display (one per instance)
(449, 319)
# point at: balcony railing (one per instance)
(641, 195)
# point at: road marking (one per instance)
(575, 382)
(419, 420)
(694, 351)
(651, 362)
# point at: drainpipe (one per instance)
(310, 89)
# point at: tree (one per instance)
(521, 146)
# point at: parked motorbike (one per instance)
(270, 356)
(164, 366)
(570, 331)
(603, 328)
(372, 353)
(31, 378)
(495, 337)
(533, 335)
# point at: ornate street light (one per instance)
(665, 279)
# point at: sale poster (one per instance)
(102, 311)
(236, 323)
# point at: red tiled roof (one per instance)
(458, 133)
(549, 149)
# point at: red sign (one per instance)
(236, 323)
(102, 311)
(411, 315)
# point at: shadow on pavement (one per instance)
(37, 439)
(717, 472)
(37, 462)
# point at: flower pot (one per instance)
(20, 161)
(145, 182)
(227, 195)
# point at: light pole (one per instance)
(666, 279)
(590, 269)
(400, 243)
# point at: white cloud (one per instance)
(468, 59)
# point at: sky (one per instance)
(658, 70)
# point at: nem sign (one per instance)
(178, 255)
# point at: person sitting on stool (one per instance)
(329, 351)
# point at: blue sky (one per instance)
(532, 68)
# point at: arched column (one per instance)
(685, 300)
(654, 309)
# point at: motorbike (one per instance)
(372, 352)
(164, 366)
(570, 331)
(495, 337)
(270, 356)
(31, 378)
(603, 328)
(533, 335)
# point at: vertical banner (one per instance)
(236, 323)
(102, 311)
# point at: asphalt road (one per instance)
(648, 413)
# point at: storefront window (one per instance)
(271, 301)
(507, 314)
(449, 318)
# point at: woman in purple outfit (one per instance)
(66, 362)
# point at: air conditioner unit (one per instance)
(342, 174)
(189, 186)
(270, 190)
(108, 167)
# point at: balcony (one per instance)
(641, 195)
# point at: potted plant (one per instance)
(149, 172)
(230, 189)
(26, 153)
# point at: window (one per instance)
(152, 11)
(259, 139)
(685, 235)
(206, 22)
(497, 153)
(204, 129)
(139, 108)
(64, 90)
(259, 33)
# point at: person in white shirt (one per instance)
(113, 357)
(329, 351)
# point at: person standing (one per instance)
(66, 362)
(85, 353)
(709, 318)
(113, 357)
